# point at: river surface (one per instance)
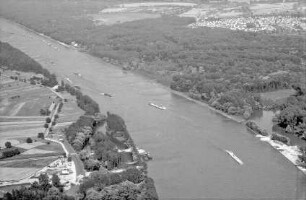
(187, 141)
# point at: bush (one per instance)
(253, 126)
(41, 135)
(29, 140)
(91, 165)
(53, 123)
(48, 120)
(8, 144)
(133, 175)
(10, 153)
(280, 138)
(46, 126)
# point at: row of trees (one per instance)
(84, 102)
(14, 59)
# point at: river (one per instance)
(187, 141)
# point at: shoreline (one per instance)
(291, 153)
(184, 95)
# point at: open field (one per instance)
(21, 119)
(114, 18)
(137, 11)
(10, 135)
(32, 156)
(51, 147)
(29, 101)
(27, 163)
(70, 111)
(12, 173)
(277, 95)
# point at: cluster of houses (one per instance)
(255, 24)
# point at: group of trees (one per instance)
(80, 131)
(43, 189)
(15, 59)
(84, 102)
(105, 150)
(292, 116)
(129, 184)
(44, 111)
(9, 151)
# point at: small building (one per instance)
(65, 172)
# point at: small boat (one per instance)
(157, 106)
(77, 74)
(106, 94)
(234, 157)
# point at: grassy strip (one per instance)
(28, 163)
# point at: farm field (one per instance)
(20, 104)
(70, 111)
(277, 95)
(22, 99)
(10, 135)
(34, 157)
(28, 163)
(12, 173)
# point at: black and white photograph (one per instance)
(152, 99)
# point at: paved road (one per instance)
(68, 148)
(78, 163)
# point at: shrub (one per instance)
(8, 144)
(133, 175)
(48, 120)
(91, 165)
(280, 138)
(29, 140)
(41, 135)
(53, 123)
(46, 126)
(253, 126)
(10, 153)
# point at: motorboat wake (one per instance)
(234, 157)
(106, 94)
(157, 106)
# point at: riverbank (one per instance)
(292, 153)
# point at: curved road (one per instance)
(187, 141)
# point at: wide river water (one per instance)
(187, 140)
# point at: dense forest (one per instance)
(224, 68)
(14, 59)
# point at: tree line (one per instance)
(85, 102)
(43, 189)
(14, 59)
